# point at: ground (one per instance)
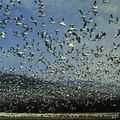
(57, 116)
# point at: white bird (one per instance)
(18, 20)
(118, 34)
(103, 35)
(12, 2)
(90, 20)
(33, 20)
(111, 19)
(15, 33)
(85, 53)
(48, 44)
(95, 8)
(51, 21)
(24, 33)
(43, 24)
(71, 45)
(95, 5)
(56, 31)
(72, 29)
(117, 20)
(105, 1)
(62, 23)
(20, 54)
(84, 27)
(64, 56)
(3, 35)
(114, 46)
(97, 38)
(95, 26)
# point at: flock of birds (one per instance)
(77, 54)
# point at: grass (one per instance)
(58, 116)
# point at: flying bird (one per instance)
(118, 34)
(111, 19)
(62, 23)
(3, 35)
(51, 21)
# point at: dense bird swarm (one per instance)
(60, 70)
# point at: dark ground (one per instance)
(21, 94)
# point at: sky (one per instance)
(59, 9)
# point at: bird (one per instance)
(97, 38)
(95, 26)
(84, 27)
(35, 1)
(82, 15)
(103, 35)
(111, 19)
(105, 1)
(6, 11)
(91, 32)
(71, 45)
(15, 33)
(41, 14)
(33, 20)
(20, 54)
(71, 29)
(51, 21)
(1, 5)
(90, 20)
(41, 9)
(19, 1)
(48, 44)
(43, 24)
(62, 22)
(81, 11)
(85, 53)
(118, 34)
(24, 33)
(3, 35)
(95, 8)
(78, 38)
(117, 20)
(114, 46)
(42, 34)
(57, 31)
(19, 20)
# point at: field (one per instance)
(57, 116)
